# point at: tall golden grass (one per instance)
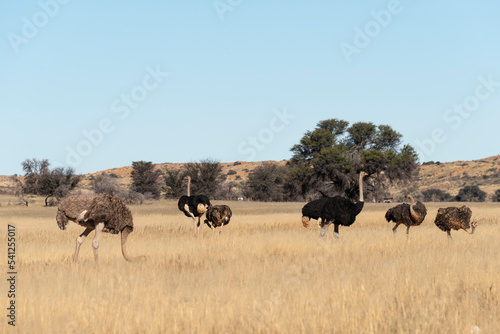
(264, 274)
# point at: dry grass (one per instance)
(264, 274)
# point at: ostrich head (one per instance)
(305, 221)
(62, 220)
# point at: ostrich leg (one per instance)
(79, 242)
(194, 225)
(324, 229)
(395, 227)
(336, 231)
(199, 223)
(95, 242)
(449, 235)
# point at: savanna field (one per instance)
(265, 273)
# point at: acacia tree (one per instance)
(145, 178)
(206, 177)
(266, 183)
(331, 156)
(39, 179)
(173, 185)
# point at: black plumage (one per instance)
(194, 206)
(312, 210)
(341, 211)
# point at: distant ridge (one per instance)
(447, 176)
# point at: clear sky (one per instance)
(99, 84)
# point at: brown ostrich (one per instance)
(99, 212)
(407, 214)
(454, 218)
(218, 215)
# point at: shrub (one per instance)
(471, 194)
(436, 195)
(496, 196)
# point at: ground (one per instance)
(265, 273)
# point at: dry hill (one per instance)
(449, 176)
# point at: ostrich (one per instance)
(456, 219)
(99, 212)
(312, 210)
(218, 215)
(193, 206)
(407, 214)
(341, 211)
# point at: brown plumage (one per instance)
(99, 212)
(407, 214)
(218, 215)
(454, 218)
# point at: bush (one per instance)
(436, 195)
(132, 197)
(496, 196)
(470, 194)
(105, 184)
(55, 183)
(266, 183)
(231, 172)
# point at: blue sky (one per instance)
(96, 85)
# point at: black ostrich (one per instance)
(341, 211)
(454, 218)
(193, 206)
(218, 215)
(407, 214)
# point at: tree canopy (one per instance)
(144, 178)
(206, 177)
(39, 179)
(332, 155)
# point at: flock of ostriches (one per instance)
(107, 213)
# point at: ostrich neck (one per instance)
(361, 198)
(413, 214)
(189, 186)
